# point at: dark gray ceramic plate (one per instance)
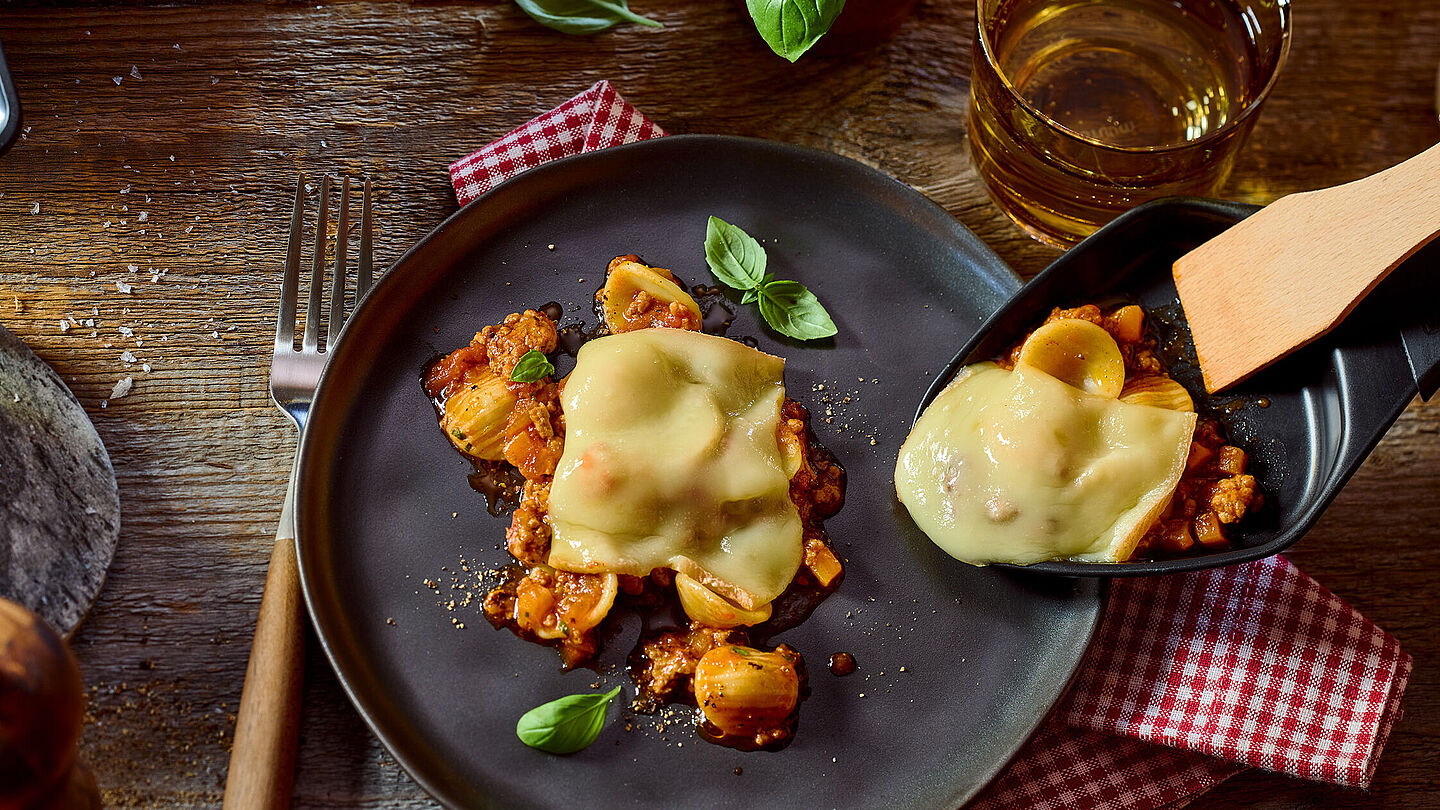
(957, 665)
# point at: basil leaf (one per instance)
(566, 725)
(790, 27)
(734, 257)
(582, 16)
(533, 366)
(794, 311)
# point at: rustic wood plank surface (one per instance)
(160, 149)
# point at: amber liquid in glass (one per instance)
(1109, 103)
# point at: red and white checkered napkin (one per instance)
(1192, 678)
(595, 119)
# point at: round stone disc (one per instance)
(59, 506)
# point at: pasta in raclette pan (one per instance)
(1017, 466)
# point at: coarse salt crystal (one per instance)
(135, 71)
(35, 209)
(127, 356)
(123, 287)
(144, 215)
(122, 388)
(132, 268)
(126, 331)
(64, 327)
(117, 80)
(145, 366)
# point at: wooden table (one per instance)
(161, 149)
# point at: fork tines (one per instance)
(364, 273)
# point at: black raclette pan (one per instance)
(1307, 422)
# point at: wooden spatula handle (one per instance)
(262, 761)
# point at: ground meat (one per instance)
(521, 332)
(665, 661)
(1231, 497)
(495, 348)
(1087, 312)
(528, 538)
(648, 311)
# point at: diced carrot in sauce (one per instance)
(1176, 537)
(1200, 455)
(822, 562)
(1232, 460)
(1208, 531)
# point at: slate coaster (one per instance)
(59, 506)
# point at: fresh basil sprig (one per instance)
(795, 311)
(790, 27)
(733, 255)
(566, 725)
(582, 16)
(533, 365)
(739, 261)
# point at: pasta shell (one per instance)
(1159, 392)
(586, 599)
(743, 691)
(711, 609)
(628, 281)
(475, 416)
(554, 604)
(1078, 353)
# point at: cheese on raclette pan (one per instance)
(671, 461)
(1016, 466)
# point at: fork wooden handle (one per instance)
(262, 760)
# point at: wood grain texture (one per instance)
(1297, 285)
(183, 169)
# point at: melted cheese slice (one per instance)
(1019, 467)
(671, 461)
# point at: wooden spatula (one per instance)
(1293, 270)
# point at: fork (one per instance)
(262, 760)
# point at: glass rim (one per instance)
(1215, 134)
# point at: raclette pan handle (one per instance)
(1413, 299)
(1378, 380)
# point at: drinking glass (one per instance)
(1081, 109)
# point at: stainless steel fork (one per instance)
(262, 760)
